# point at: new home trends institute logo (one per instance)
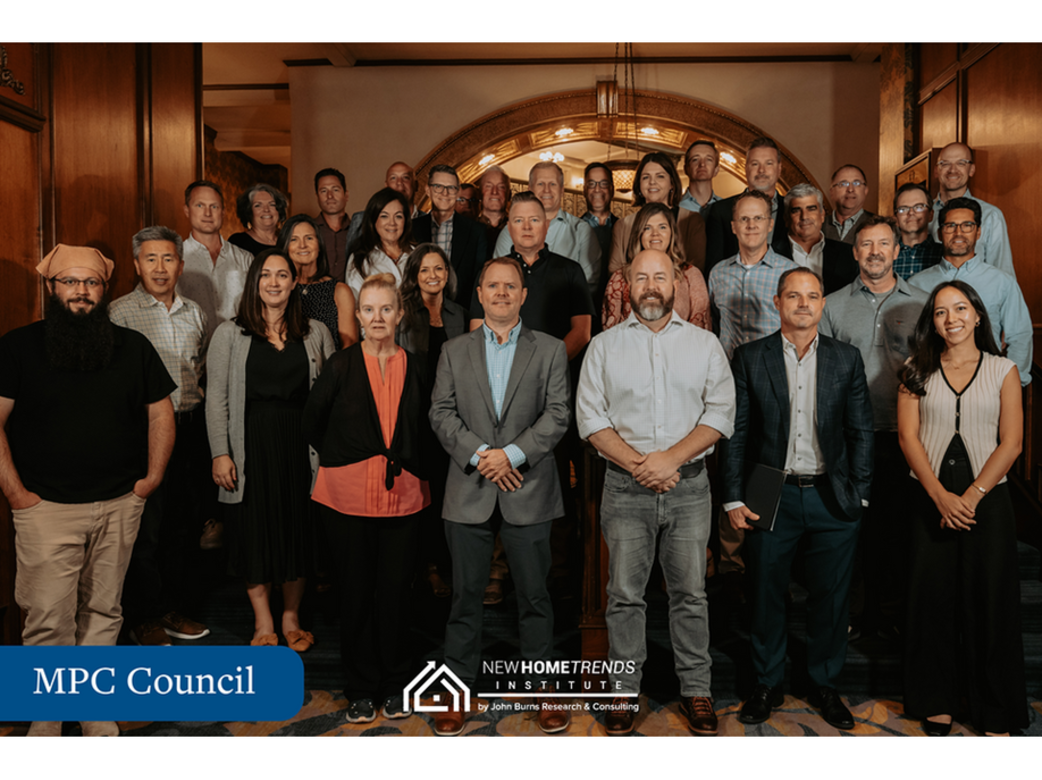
(443, 676)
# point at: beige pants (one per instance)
(71, 562)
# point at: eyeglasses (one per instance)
(468, 200)
(918, 208)
(964, 227)
(604, 184)
(71, 283)
(946, 164)
(845, 185)
(441, 189)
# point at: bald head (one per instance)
(400, 178)
(955, 168)
(652, 287)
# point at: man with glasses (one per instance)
(461, 237)
(568, 235)
(913, 213)
(848, 191)
(701, 164)
(960, 228)
(599, 188)
(955, 168)
(467, 201)
(91, 428)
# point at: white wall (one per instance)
(361, 119)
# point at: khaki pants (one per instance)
(71, 562)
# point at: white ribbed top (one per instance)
(978, 411)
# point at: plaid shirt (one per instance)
(743, 296)
(442, 234)
(913, 259)
(179, 336)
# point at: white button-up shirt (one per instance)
(653, 388)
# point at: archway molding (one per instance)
(533, 124)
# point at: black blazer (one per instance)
(417, 338)
(468, 251)
(722, 243)
(761, 425)
(840, 267)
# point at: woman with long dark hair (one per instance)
(431, 318)
(657, 181)
(260, 209)
(384, 243)
(960, 425)
(656, 228)
(322, 297)
(260, 367)
(367, 418)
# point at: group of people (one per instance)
(371, 387)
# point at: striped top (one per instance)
(973, 413)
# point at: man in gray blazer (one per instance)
(500, 405)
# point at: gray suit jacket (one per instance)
(536, 412)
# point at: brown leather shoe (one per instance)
(449, 724)
(553, 717)
(701, 718)
(621, 713)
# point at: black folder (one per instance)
(762, 495)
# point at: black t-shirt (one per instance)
(557, 291)
(80, 436)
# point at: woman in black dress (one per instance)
(260, 209)
(960, 424)
(260, 368)
(324, 298)
(432, 318)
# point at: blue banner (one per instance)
(207, 683)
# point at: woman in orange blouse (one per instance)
(656, 228)
(366, 418)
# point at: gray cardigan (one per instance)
(226, 395)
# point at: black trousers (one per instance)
(963, 637)
(374, 559)
(159, 578)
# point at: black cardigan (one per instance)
(342, 424)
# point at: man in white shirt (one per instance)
(214, 270)
(802, 407)
(568, 235)
(655, 396)
(832, 260)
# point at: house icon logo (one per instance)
(450, 687)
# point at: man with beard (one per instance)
(802, 407)
(334, 226)
(960, 228)
(655, 395)
(91, 430)
(877, 313)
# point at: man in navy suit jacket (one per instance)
(466, 237)
(821, 434)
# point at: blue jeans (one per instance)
(632, 518)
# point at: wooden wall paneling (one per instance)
(175, 152)
(94, 133)
(1003, 108)
(934, 59)
(938, 122)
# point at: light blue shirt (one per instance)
(993, 247)
(499, 359)
(688, 202)
(1002, 298)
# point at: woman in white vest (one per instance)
(960, 424)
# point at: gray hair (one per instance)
(157, 233)
(802, 190)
